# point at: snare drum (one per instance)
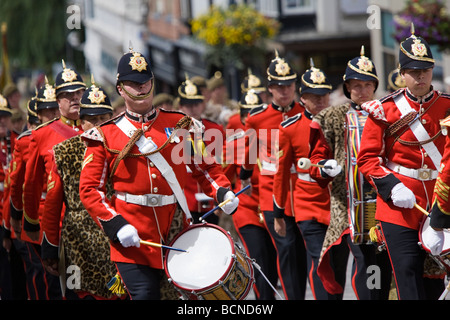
(213, 268)
(443, 260)
(361, 196)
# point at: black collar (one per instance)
(355, 106)
(426, 98)
(139, 117)
(308, 114)
(285, 109)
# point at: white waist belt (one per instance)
(148, 200)
(419, 174)
(305, 177)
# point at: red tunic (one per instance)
(311, 201)
(262, 128)
(39, 165)
(138, 176)
(248, 211)
(7, 148)
(378, 150)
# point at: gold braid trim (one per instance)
(183, 123)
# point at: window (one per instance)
(293, 7)
(268, 8)
(185, 10)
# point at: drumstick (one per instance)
(220, 205)
(305, 164)
(158, 245)
(425, 212)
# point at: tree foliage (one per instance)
(36, 32)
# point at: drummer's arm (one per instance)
(320, 152)
(283, 174)
(371, 161)
(93, 190)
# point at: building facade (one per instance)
(385, 48)
(329, 31)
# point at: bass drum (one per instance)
(213, 268)
(361, 196)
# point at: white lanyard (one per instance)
(419, 131)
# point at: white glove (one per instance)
(128, 236)
(402, 196)
(434, 241)
(231, 206)
(332, 168)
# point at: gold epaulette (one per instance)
(45, 124)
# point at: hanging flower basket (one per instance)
(234, 33)
(430, 19)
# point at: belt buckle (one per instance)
(153, 200)
(424, 174)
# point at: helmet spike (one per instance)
(363, 51)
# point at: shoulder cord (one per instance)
(405, 121)
(183, 123)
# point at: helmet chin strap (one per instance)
(135, 97)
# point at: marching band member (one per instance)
(82, 242)
(69, 88)
(193, 105)
(45, 109)
(261, 127)
(328, 148)
(311, 201)
(137, 152)
(248, 220)
(400, 155)
(66, 94)
(11, 268)
(15, 224)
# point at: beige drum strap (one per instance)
(419, 131)
(147, 145)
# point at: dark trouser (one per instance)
(365, 258)
(407, 260)
(18, 270)
(260, 248)
(41, 284)
(291, 257)
(313, 234)
(142, 282)
(12, 275)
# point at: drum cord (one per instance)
(257, 266)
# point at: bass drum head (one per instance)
(207, 260)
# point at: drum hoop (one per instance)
(227, 271)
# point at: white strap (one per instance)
(158, 160)
(419, 131)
